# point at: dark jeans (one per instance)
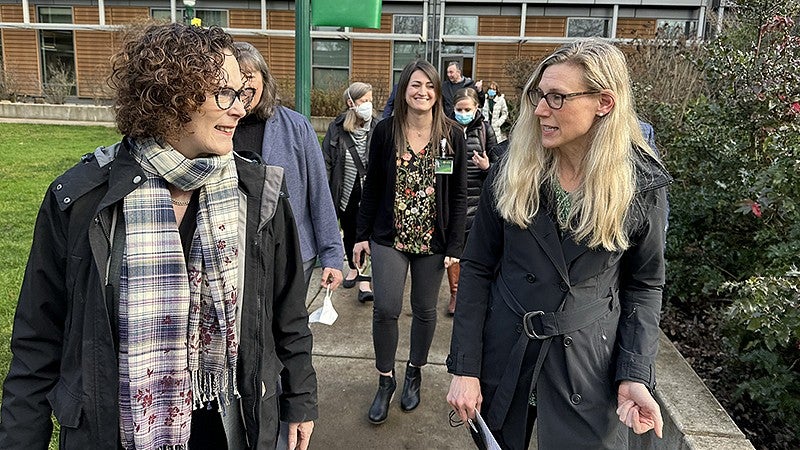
(389, 269)
(347, 220)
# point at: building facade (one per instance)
(49, 42)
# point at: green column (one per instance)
(302, 57)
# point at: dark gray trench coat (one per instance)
(602, 328)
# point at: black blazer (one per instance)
(376, 212)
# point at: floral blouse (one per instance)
(415, 201)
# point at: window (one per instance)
(330, 63)
(407, 24)
(208, 17)
(403, 52)
(462, 25)
(674, 29)
(588, 27)
(58, 52)
(463, 53)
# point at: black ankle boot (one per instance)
(410, 399)
(380, 406)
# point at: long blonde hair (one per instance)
(354, 92)
(600, 204)
(440, 129)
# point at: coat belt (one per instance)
(538, 325)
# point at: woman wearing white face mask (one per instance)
(481, 140)
(345, 148)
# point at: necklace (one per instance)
(180, 202)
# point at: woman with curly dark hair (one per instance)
(134, 326)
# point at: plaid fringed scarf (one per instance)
(178, 343)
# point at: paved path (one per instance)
(345, 364)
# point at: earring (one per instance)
(601, 115)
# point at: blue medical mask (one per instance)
(466, 118)
(491, 92)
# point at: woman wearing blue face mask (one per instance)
(481, 140)
(345, 148)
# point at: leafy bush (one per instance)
(727, 118)
(764, 333)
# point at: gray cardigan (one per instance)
(288, 140)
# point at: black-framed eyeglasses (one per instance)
(226, 96)
(554, 100)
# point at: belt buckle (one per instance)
(527, 323)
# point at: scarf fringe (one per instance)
(208, 387)
(174, 447)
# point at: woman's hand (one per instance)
(359, 249)
(331, 278)
(449, 261)
(481, 160)
(300, 434)
(638, 409)
(465, 396)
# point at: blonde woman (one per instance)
(411, 216)
(558, 308)
(345, 149)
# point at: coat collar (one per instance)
(650, 175)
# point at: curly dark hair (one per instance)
(162, 75)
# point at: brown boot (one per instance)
(452, 278)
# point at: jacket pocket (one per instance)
(66, 406)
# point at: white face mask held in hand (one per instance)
(326, 315)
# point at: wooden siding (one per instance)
(13, 13)
(537, 52)
(93, 51)
(126, 15)
(281, 20)
(85, 15)
(280, 55)
(369, 66)
(490, 59)
(244, 18)
(636, 28)
(546, 26)
(498, 26)
(21, 60)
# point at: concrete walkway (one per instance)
(345, 364)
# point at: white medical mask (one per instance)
(466, 118)
(364, 110)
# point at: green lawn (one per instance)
(31, 156)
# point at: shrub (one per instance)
(763, 328)
(9, 87)
(60, 85)
(519, 70)
(734, 150)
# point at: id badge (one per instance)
(444, 165)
